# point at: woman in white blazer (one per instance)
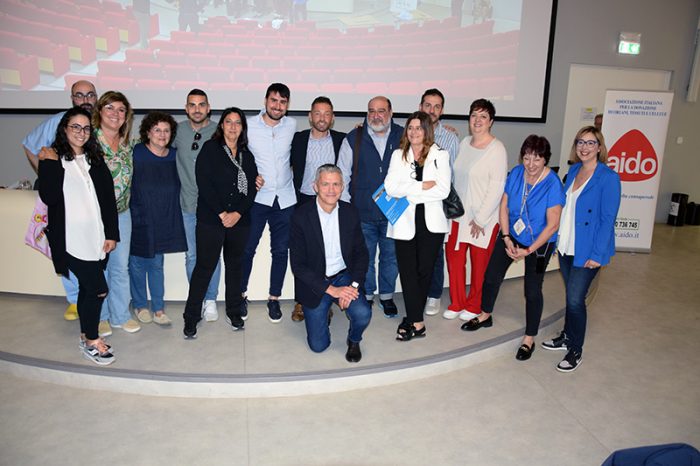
(420, 172)
(480, 176)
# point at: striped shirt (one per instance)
(318, 152)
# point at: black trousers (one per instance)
(416, 260)
(496, 272)
(211, 239)
(91, 284)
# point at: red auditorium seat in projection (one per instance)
(141, 71)
(117, 69)
(106, 38)
(283, 75)
(249, 75)
(214, 74)
(404, 88)
(111, 82)
(201, 59)
(126, 25)
(180, 73)
(80, 48)
(165, 57)
(234, 61)
(153, 84)
(139, 56)
(216, 23)
(17, 70)
(183, 36)
(51, 58)
(222, 48)
(162, 45)
(265, 62)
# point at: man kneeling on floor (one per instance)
(329, 260)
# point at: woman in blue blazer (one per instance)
(586, 236)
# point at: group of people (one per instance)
(204, 188)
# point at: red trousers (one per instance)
(457, 268)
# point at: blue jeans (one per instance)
(577, 280)
(141, 270)
(115, 308)
(316, 318)
(278, 220)
(190, 221)
(375, 235)
(438, 280)
(70, 284)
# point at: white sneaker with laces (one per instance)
(432, 306)
(466, 315)
(209, 311)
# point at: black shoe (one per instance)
(570, 362)
(244, 308)
(524, 352)
(556, 344)
(389, 307)
(236, 322)
(406, 331)
(190, 330)
(354, 354)
(474, 324)
(274, 313)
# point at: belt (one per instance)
(330, 278)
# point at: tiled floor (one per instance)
(638, 385)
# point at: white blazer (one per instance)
(399, 183)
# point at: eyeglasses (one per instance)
(591, 143)
(77, 129)
(157, 130)
(81, 96)
(195, 144)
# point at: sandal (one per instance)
(406, 331)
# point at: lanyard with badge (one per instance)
(520, 225)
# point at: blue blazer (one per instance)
(596, 211)
(307, 253)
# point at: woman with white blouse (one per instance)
(82, 229)
(419, 171)
(479, 179)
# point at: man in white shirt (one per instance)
(270, 136)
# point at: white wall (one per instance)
(586, 33)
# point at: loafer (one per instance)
(353, 354)
(524, 352)
(162, 319)
(474, 324)
(144, 315)
(298, 313)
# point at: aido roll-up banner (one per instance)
(635, 124)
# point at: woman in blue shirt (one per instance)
(529, 218)
(587, 236)
(156, 216)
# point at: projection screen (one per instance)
(350, 50)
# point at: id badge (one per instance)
(519, 226)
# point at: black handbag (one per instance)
(452, 204)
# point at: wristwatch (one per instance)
(355, 285)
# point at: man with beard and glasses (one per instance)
(82, 94)
(270, 136)
(311, 149)
(364, 160)
(192, 133)
(433, 103)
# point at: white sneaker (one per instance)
(466, 315)
(209, 311)
(432, 306)
(450, 314)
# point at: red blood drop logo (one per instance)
(633, 157)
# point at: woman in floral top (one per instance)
(112, 120)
